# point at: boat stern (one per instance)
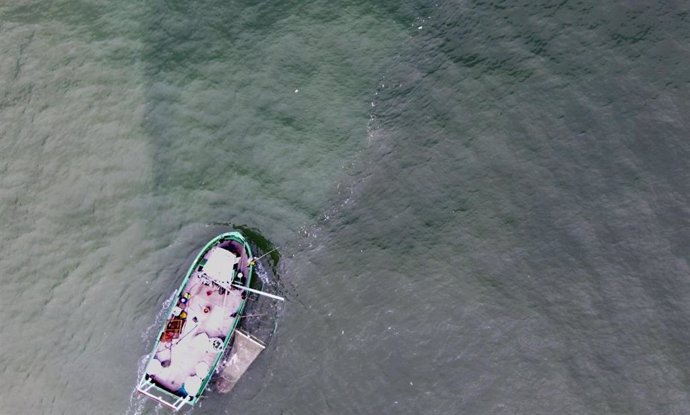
(147, 387)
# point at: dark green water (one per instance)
(482, 207)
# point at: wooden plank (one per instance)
(244, 351)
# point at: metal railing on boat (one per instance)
(166, 399)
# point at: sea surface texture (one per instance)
(482, 207)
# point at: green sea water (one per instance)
(481, 207)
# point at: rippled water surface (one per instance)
(482, 207)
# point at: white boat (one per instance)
(200, 323)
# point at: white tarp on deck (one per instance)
(219, 265)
